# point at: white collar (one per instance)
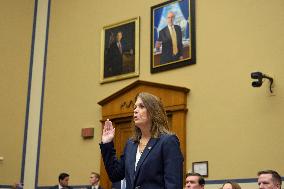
(172, 26)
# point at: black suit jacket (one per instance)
(116, 185)
(160, 165)
(113, 60)
(56, 187)
(167, 45)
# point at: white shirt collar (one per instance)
(172, 26)
(95, 187)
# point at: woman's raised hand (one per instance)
(108, 132)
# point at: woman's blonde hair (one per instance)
(157, 115)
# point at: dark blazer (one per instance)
(160, 165)
(90, 187)
(114, 60)
(116, 185)
(167, 45)
(56, 187)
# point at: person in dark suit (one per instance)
(114, 57)
(194, 181)
(116, 185)
(269, 179)
(63, 180)
(170, 38)
(152, 158)
(119, 185)
(94, 180)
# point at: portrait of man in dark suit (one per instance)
(172, 35)
(114, 58)
(120, 51)
(170, 38)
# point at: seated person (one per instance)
(94, 180)
(63, 180)
(230, 185)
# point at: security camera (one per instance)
(256, 84)
(259, 76)
(256, 75)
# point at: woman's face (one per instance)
(227, 186)
(141, 117)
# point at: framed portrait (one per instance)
(172, 35)
(120, 51)
(201, 168)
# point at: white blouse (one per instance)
(138, 155)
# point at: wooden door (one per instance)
(123, 131)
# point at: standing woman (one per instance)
(152, 158)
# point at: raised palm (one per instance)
(108, 132)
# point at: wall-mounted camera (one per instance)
(260, 78)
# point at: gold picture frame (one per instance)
(166, 53)
(120, 51)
